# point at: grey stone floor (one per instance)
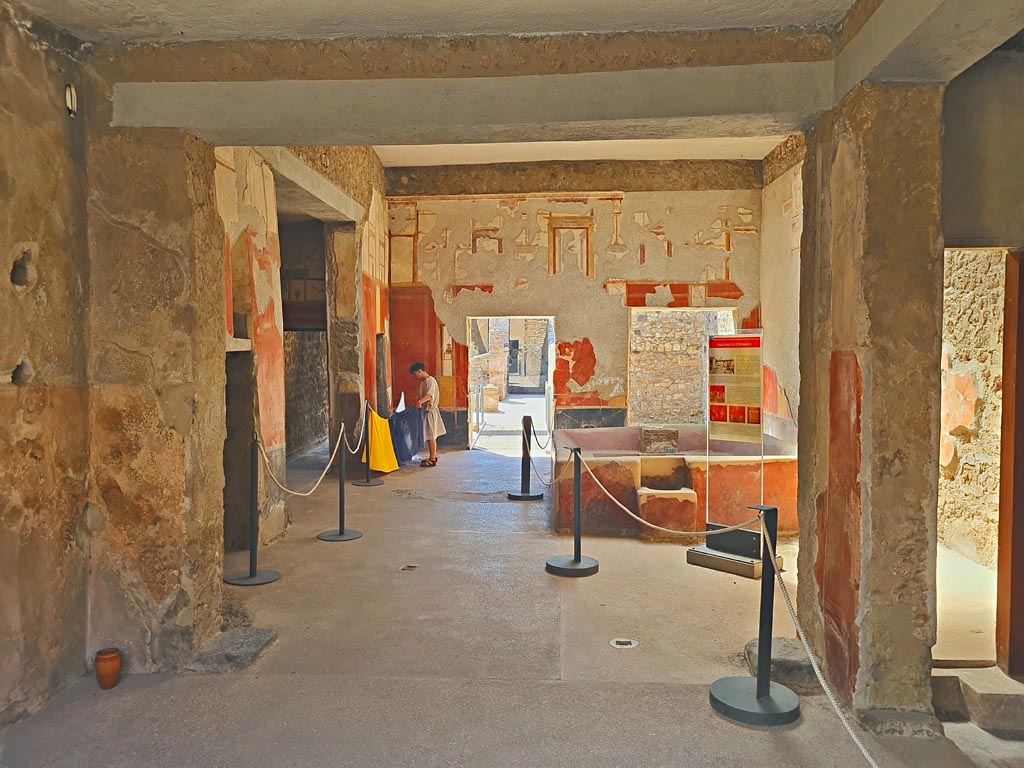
(475, 658)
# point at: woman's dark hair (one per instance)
(417, 367)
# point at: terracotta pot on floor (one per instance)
(108, 667)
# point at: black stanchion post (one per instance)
(575, 564)
(341, 534)
(758, 701)
(253, 577)
(368, 482)
(524, 479)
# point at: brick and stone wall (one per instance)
(972, 365)
(306, 389)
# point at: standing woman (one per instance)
(433, 426)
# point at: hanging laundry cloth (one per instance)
(407, 433)
(382, 450)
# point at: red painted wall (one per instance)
(837, 569)
(268, 339)
(415, 337)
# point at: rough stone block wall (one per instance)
(972, 387)
(45, 527)
(306, 389)
(668, 364)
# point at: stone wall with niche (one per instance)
(974, 299)
(585, 259)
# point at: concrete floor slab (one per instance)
(475, 658)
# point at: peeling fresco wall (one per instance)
(45, 525)
(584, 259)
(247, 205)
(782, 210)
(972, 397)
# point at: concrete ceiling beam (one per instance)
(929, 41)
(758, 99)
(303, 191)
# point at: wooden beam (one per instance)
(1010, 581)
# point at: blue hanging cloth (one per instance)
(407, 433)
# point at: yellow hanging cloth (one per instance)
(382, 450)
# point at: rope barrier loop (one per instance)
(672, 531)
(266, 462)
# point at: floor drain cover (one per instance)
(408, 568)
(623, 642)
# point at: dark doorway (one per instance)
(238, 395)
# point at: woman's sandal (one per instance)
(428, 463)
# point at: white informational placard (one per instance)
(735, 383)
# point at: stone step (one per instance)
(986, 697)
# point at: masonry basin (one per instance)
(699, 483)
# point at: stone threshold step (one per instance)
(984, 696)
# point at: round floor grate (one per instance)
(623, 642)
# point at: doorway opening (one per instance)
(510, 375)
(974, 301)
(239, 394)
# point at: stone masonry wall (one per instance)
(668, 372)
(46, 527)
(306, 392)
(972, 386)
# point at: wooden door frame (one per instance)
(1010, 579)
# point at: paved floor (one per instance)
(474, 658)
(503, 431)
(966, 610)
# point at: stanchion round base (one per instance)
(243, 579)
(347, 535)
(565, 565)
(368, 483)
(736, 699)
(525, 496)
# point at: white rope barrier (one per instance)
(536, 439)
(282, 486)
(362, 436)
(563, 473)
(810, 655)
(673, 531)
(342, 435)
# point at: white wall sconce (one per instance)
(71, 100)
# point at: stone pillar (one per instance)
(156, 374)
(344, 329)
(871, 303)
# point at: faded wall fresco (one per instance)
(584, 259)
(247, 204)
(972, 402)
(782, 228)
